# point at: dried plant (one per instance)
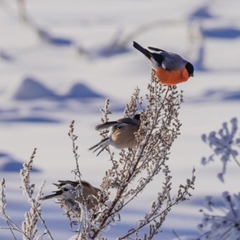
(221, 218)
(221, 221)
(74, 138)
(131, 172)
(29, 225)
(133, 169)
(225, 144)
(3, 202)
(78, 199)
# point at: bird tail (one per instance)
(142, 50)
(101, 145)
(63, 185)
(55, 194)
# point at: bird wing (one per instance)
(135, 121)
(172, 61)
(130, 121)
(105, 125)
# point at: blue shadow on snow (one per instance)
(31, 89)
(9, 164)
(224, 32)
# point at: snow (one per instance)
(82, 55)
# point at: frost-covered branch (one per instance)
(137, 167)
(224, 144)
(221, 218)
(74, 138)
(95, 209)
(29, 225)
(162, 206)
(221, 221)
(3, 202)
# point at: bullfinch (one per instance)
(121, 134)
(170, 68)
(69, 196)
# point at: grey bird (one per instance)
(70, 196)
(121, 134)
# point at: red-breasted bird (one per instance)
(170, 68)
(121, 134)
(69, 196)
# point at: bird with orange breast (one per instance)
(170, 68)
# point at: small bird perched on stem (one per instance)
(71, 194)
(170, 68)
(121, 135)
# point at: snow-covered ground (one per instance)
(82, 55)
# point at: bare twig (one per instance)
(74, 138)
(29, 225)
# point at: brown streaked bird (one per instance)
(170, 68)
(69, 196)
(121, 134)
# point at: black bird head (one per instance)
(190, 69)
(137, 116)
